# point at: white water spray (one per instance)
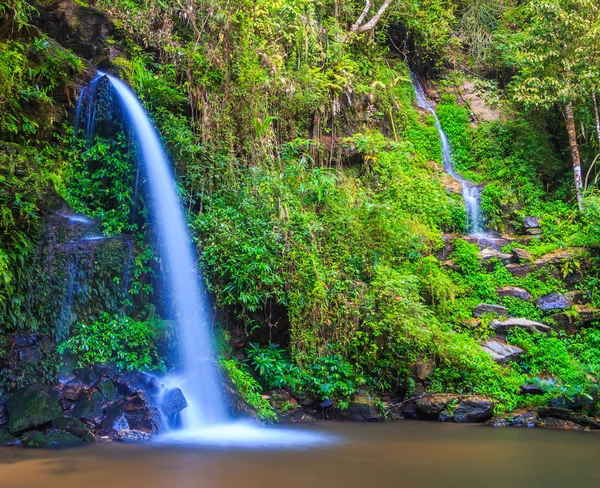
(470, 191)
(199, 378)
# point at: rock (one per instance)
(172, 402)
(7, 439)
(473, 409)
(75, 427)
(362, 408)
(553, 301)
(521, 255)
(500, 351)
(514, 292)
(521, 270)
(487, 308)
(534, 232)
(566, 414)
(554, 423)
(107, 388)
(297, 417)
(136, 381)
(579, 297)
(89, 406)
(584, 315)
(531, 222)
(504, 325)
(34, 438)
(531, 389)
(490, 242)
(30, 408)
(430, 406)
(556, 258)
(424, 369)
(523, 418)
(114, 419)
(487, 255)
(141, 415)
(445, 416)
(133, 436)
(52, 439)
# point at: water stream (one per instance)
(470, 190)
(199, 379)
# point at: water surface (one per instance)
(398, 454)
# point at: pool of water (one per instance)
(327, 455)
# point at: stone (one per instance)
(445, 416)
(362, 408)
(579, 297)
(52, 439)
(172, 402)
(424, 369)
(500, 351)
(487, 255)
(89, 406)
(520, 270)
(141, 415)
(487, 308)
(531, 389)
(491, 242)
(7, 439)
(75, 427)
(504, 325)
(473, 409)
(522, 255)
(534, 232)
(31, 407)
(553, 301)
(430, 406)
(514, 292)
(554, 423)
(531, 222)
(129, 436)
(523, 418)
(570, 415)
(107, 388)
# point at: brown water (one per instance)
(399, 454)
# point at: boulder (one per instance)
(75, 427)
(107, 388)
(579, 297)
(486, 255)
(30, 408)
(430, 406)
(514, 292)
(500, 351)
(502, 326)
(522, 255)
(473, 409)
(554, 301)
(362, 408)
(487, 308)
(52, 439)
(554, 423)
(570, 415)
(523, 418)
(132, 436)
(172, 402)
(7, 439)
(531, 389)
(531, 222)
(423, 369)
(520, 270)
(141, 415)
(89, 406)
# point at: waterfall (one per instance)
(199, 378)
(470, 190)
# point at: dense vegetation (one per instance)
(314, 185)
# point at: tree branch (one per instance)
(357, 28)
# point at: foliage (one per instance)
(121, 340)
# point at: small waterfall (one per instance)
(199, 376)
(470, 191)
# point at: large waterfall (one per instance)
(470, 191)
(199, 378)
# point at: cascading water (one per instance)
(199, 376)
(470, 191)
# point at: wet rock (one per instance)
(141, 415)
(136, 381)
(570, 415)
(52, 439)
(531, 222)
(523, 418)
(75, 427)
(554, 258)
(553, 301)
(473, 409)
(132, 436)
(107, 388)
(430, 406)
(579, 297)
(296, 417)
(173, 401)
(30, 408)
(114, 419)
(487, 308)
(533, 232)
(445, 416)
(7, 439)
(514, 292)
(486, 255)
(89, 406)
(362, 408)
(491, 242)
(521, 270)
(554, 423)
(531, 389)
(424, 369)
(503, 326)
(522, 255)
(500, 351)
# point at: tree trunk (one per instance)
(574, 153)
(597, 117)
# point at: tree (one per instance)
(359, 26)
(551, 57)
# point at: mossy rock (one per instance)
(75, 427)
(54, 438)
(90, 407)
(107, 388)
(30, 408)
(7, 439)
